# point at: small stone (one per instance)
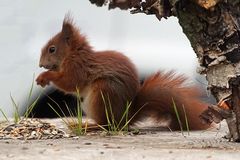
(87, 143)
(105, 145)
(34, 133)
(50, 144)
(66, 135)
(46, 132)
(75, 138)
(10, 155)
(54, 132)
(25, 148)
(42, 151)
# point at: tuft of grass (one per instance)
(16, 115)
(114, 127)
(179, 120)
(30, 107)
(79, 129)
(177, 115)
(111, 123)
(74, 125)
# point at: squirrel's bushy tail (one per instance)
(159, 93)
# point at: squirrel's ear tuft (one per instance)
(68, 27)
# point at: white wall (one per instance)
(26, 25)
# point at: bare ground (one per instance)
(149, 144)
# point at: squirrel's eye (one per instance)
(52, 49)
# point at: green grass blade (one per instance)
(113, 123)
(57, 106)
(79, 118)
(16, 117)
(78, 130)
(31, 89)
(14, 104)
(71, 115)
(104, 129)
(79, 113)
(31, 107)
(86, 127)
(177, 115)
(125, 114)
(57, 113)
(133, 116)
(68, 109)
(16, 112)
(4, 115)
(106, 111)
(186, 120)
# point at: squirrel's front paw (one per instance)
(42, 80)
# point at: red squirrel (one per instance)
(73, 65)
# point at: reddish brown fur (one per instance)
(161, 90)
(75, 65)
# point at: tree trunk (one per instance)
(215, 35)
(213, 28)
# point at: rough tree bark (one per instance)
(213, 28)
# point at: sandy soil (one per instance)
(148, 145)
